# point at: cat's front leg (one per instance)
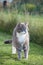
(19, 54)
(13, 50)
(26, 54)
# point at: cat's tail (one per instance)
(8, 41)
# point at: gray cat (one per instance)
(20, 40)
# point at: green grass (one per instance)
(6, 57)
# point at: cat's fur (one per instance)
(20, 40)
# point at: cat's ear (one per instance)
(27, 25)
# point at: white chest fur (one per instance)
(21, 37)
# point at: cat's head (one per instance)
(22, 27)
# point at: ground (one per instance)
(6, 57)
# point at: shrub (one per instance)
(36, 31)
(2, 25)
(30, 7)
(10, 26)
(9, 20)
(22, 8)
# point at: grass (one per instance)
(6, 58)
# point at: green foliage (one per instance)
(23, 8)
(30, 7)
(36, 31)
(9, 20)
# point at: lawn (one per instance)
(6, 57)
